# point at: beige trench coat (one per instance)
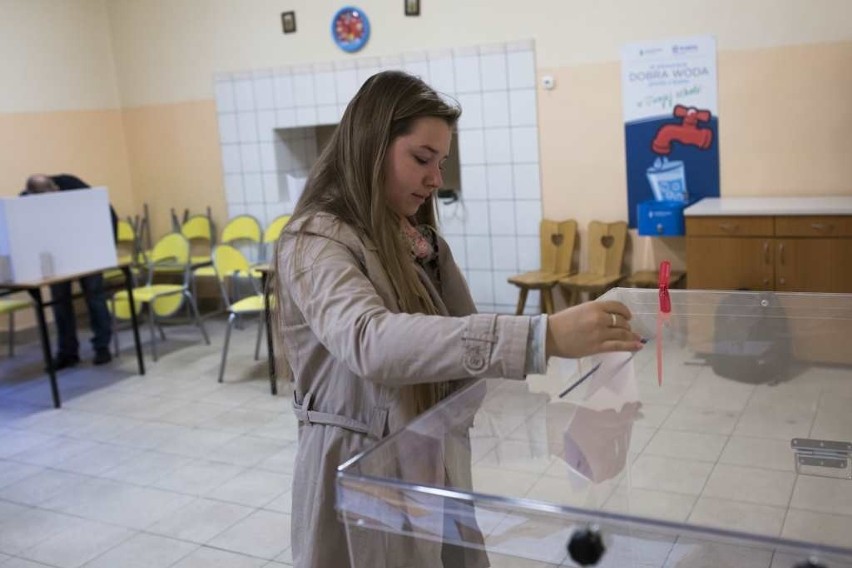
(349, 349)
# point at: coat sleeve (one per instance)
(344, 310)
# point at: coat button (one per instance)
(475, 362)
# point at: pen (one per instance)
(595, 368)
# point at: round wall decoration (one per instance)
(350, 29)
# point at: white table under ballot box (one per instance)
(725, 442)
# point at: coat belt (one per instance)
(375, 429)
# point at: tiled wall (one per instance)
(267, 120)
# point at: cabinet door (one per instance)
(721, 263)
(813, 265)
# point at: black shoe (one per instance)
(62, 361)
(102, 357)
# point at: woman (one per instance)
(375, 318)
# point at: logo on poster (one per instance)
(681, 49)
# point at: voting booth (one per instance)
(55, 234)
(725, 442)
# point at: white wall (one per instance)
(168, 50)
(57, 55)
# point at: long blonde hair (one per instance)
(347, 181)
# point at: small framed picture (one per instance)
(412, 7)
(288, 22)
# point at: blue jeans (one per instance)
(66, 322)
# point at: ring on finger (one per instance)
(614, 321)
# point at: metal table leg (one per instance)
(45, 345)
(128, 285)
(267, 314)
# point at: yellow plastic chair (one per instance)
(606, 254)
(242, 229)
(556, 242)
(161, 300)
(127, 251)
(199, 229)
(273, 231)
(232, 267)
(10, 306)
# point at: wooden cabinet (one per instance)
(781, 253)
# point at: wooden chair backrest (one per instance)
(606, 247)
(557, 240)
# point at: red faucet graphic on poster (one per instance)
(687, 132)
(668, 178)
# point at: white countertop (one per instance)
(718, 206)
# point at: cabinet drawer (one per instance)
(730, 226)
(814, 226)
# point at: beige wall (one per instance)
(89, 144)
(175, 160)
(57, 55)
(168, 50)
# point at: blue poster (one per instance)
(671, 121)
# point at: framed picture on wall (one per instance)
(288, 22)
(412, 7)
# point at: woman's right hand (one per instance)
(589, 328)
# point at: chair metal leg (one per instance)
(12, 334)
(152, 325)
(115, 344)
(260, 327)
(231, 318)
(194, 309)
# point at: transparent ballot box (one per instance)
(724, 442)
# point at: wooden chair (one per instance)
(605, 254)
(557, 249)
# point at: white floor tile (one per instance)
(198, 477)
(12, 472)
(146, 468)
(686, 554)
(264, 534)
(21, 563)
(252, 488)
(823, 494)
(758, 452)
(823, 528)
(248, 450)
(215, 558)
(686, 445)
(14, 441)
(750, 485)
(144, 551)
(648, 503)
(77, 545)
(32, 527)
(118, 503)
(200, 520)
(42, 486)
(667, 474)
(736, 516)
(97, 459)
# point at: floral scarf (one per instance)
(422, 248)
